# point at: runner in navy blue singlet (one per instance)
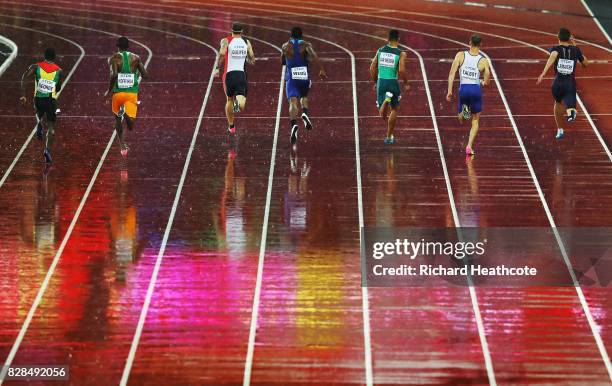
(297, 55)
(564, 56)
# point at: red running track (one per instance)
(309, 328)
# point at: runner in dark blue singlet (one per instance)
(564, 56)
(297, 55)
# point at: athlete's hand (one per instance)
(407, 86)
(322, 74)
(216, 73)
(540, 79)
(23, 100)
(449, 96)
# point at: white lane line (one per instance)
(601, 28)
(486, 353)
(248, 363)
(8, 171)
(158, 261)
(60, 250)
(14, 49)
(585, 307)
(367, 341)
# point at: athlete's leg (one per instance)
(119, 130)
(229, 110)
(293, 109)
(304, 104)
(241, 102)
(473, 132)
(559, 111)
(392, 121)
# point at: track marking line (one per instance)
(248, 363)
(601, 28)
(60, 250)
(158, 261)
(14, 49)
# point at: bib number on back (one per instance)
(565, 66)
(46, 85)
(238, 52)
(125, 80)
(470, 73)
(299, 73)
(387, 60)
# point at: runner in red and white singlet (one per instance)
(235, 51)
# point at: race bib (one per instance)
(565, 66)
(125, 80)
(387, 60)
(299, 73)
(470, 73)
(46, 85)
(238, 52)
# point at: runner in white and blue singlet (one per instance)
(470, 64)
(297, 55)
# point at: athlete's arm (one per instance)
(284, 53)
(60, 81)
(487, 72)
(28, 73)
(222, 52)
(451, 75)
(402, 70)
(250, 53)
(374, 69)
(312, 55)
(141, 68)
(549, 63)
(114, 71)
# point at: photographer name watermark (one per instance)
(495, 257)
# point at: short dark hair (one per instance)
(393, 35)
(237, 28)
(564, 35)
(296, 32)
(475, 40)
(123, 43)
(50, 54)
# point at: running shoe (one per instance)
(231, 130)
(294, 131)
(389, 140)
(307, 123)
(465, 110)
(125, 150)
(571, 115)
(560, 134)
(236, 106)
(47, 155)
(469, 151)
(388, 97)
(39, 130)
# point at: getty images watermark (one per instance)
(501, 257)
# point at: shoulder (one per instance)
(553, 49)
(134, 57)
(460, 55)
(223, 42)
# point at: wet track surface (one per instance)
(253, 218)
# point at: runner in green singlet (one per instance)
(47, 85)
(388, 65)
